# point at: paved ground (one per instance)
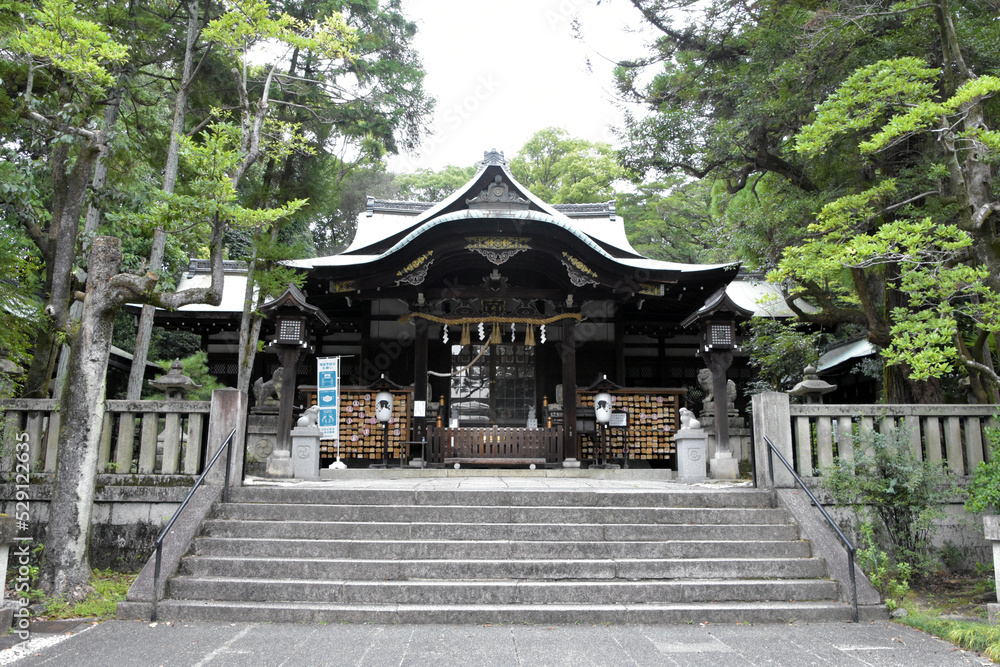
(136, 644)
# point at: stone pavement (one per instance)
(137, 644)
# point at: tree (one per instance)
(333, 231)
(942, 258)
(71, 55)
(672, 220)
(563, 170)
(433, 186)
(213, 205)
(731, 92)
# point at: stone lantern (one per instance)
(292, 317)
(175, 384)
(716, 322)
(812, 389)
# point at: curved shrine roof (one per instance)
(388, 227)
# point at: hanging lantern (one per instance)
(529, 335)
(383, 406)
(602, 407)
(466, 339)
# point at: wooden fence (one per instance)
(494, 445)
(146, 437)
(811, 436)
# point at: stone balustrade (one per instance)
(811, 436)
(145, 437)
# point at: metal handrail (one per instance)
(227, 447)
(848, 545)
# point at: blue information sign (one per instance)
(328, 385)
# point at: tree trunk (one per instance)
(144, 329)
(65, 567)
(249, 329)
(93, 218)
(70, 179)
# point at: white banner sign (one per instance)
(328, 396)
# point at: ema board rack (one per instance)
(360, 431)
(652, 416)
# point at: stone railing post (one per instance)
(305, 447)
(991, 530)
(8, 535)
(772, 418)
(229, 411)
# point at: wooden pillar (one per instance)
(567, 353)
(719, 361)
(289, 363)
(620, 343)
(420, 374)
(364, 358)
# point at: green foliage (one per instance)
(984, 487)
(877, 126)
(211, 195)
(248, 23)
(939, 292)
(563, 170)
(196, 368)
(779, 353)
(672, 220)
(894, 493)
(108, 589)
(866, 100)
(969, 635)
(432, 186)
(58, 36)
(891, 581)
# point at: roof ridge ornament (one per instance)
(493, 157)
(498, 195)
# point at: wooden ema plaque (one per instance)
(652, 417)
(360, 431)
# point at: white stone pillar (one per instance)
(772, 418)
(991, 530)
(691, 454)
(305, 452)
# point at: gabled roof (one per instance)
(388, 226)
(293, 297)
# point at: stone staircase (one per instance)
(451, 556)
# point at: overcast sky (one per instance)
(502, 70)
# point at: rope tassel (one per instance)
(529, 336)
(495, 337)
(466, 338)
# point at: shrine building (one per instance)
(493, 316)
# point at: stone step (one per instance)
(395, 530)
(624, 568)
(266, 547)
(668, 613)
(527, 498)
(499, 514)
(500, 592)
